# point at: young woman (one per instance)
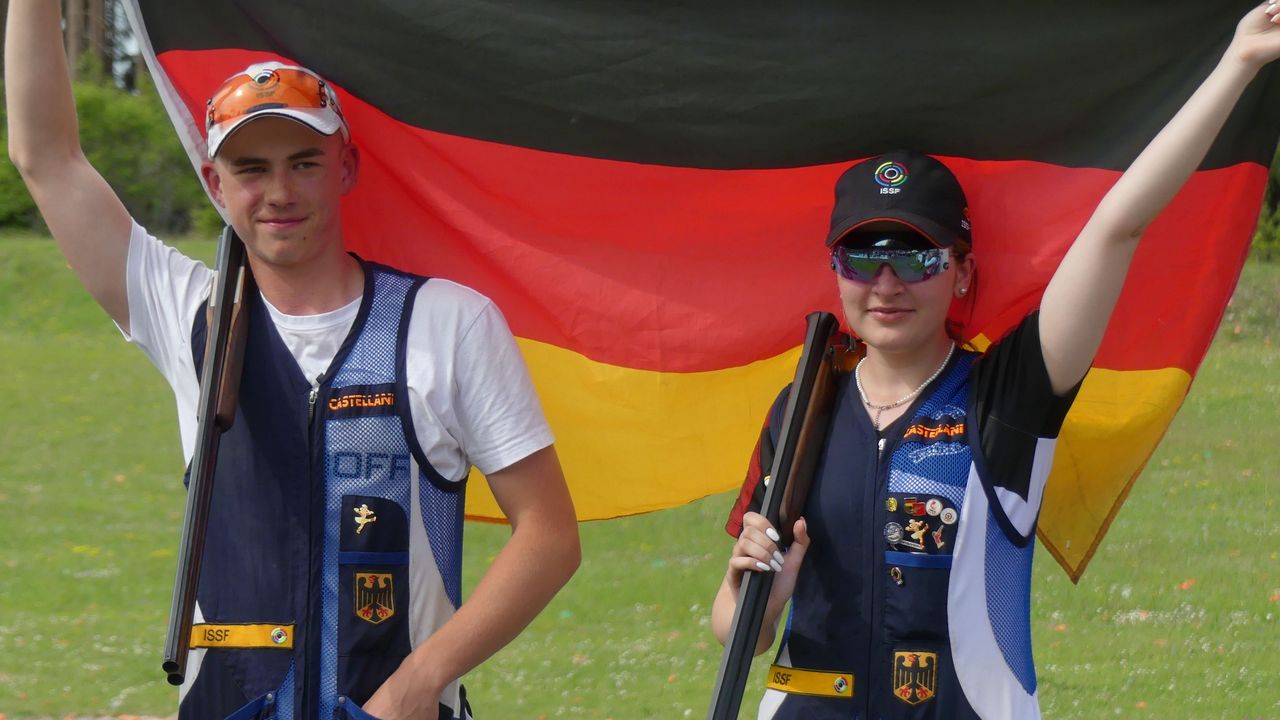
(910, 574)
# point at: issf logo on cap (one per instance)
(266, 79)
(890, 176)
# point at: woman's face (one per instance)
(898, 317)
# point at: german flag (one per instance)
(643, 188)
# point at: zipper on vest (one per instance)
(311, 404)
(875, 563)
(886, 446)
(311, 679)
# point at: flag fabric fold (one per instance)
(644, 191)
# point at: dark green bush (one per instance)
(16, 206)
(128, 138)
(1266, 242)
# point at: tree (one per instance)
(4, 15)
(93, 35)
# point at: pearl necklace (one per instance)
(857, 376)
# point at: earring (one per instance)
(962, 291)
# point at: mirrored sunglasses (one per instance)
(911, 266)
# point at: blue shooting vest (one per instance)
(310, 522)
(871, 599)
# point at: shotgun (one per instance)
(219, 388)
(804, 428)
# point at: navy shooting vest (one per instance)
(870, 615)
(305, 595)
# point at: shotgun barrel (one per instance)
(803, 428)
(219, 387)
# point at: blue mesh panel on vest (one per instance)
(918, 453)
(937, 468)
(442, 515)
(372, 360)
(360, 435)
(284, 697)
(901, 482)
(1008, 582)
(952, 392)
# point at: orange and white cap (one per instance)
(272, 89)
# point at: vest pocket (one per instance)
(351, 711)
(804, 707)
(261, 708)
(373, 594)
(373, 625)
(229, 677)
(915, 596)
(921, 684)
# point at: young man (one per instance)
(331, 573)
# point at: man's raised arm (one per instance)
(87, 220)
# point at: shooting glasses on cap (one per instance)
(272, 89)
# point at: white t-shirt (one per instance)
(469, 391)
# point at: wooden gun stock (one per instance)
(219, 387)
(229, 385)
(803, 430)
(838, 359)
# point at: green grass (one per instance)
(1178, 616)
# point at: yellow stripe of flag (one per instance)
(633, 441)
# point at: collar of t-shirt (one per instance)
(313, 340)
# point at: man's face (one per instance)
(281, 184)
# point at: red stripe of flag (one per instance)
(680, 269)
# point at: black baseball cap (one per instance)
(903, 187)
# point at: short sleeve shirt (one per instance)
(471, 398)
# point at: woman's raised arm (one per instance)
(1083, 291)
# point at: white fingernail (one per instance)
(778, 556)
(762, 566)
(777, 567)
(773, 535)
